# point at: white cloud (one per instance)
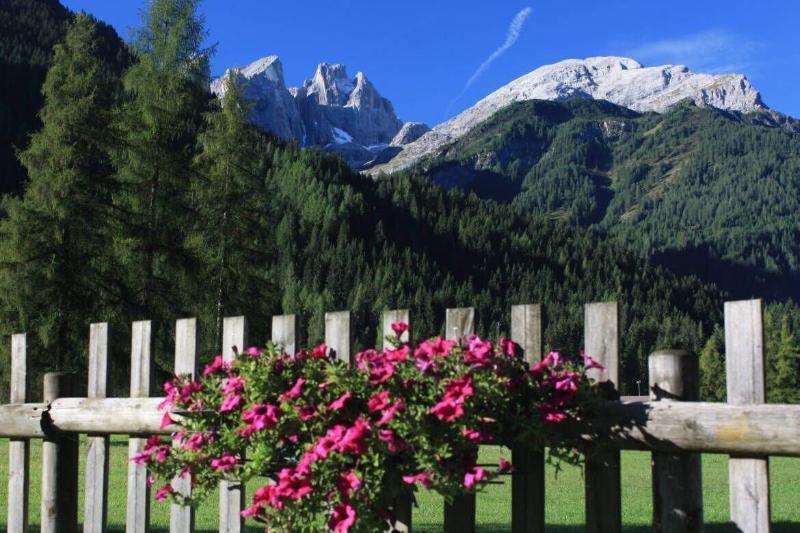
(514, 31)
(711, 51)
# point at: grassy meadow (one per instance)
(564, 496)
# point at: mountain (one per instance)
(619, 80)
(705, 192)
(344, 115)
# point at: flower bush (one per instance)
(337, 444)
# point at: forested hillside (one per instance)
(28, 31)
(701, 191)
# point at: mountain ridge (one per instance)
(619, 80)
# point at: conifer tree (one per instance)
(712, 368)
(232, 207)
(57, 275)
(166, 91)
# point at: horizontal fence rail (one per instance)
(670, 423)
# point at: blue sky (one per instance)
(422, 53)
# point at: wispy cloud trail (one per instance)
(514, 31)
(712, 51)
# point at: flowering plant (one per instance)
(341, 443)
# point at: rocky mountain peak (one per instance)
(331, 110)
(620, 80)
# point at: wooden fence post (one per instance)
(402, 505)
(459, 516)
(339, 334)
(138, 506)
(187, 343)
(59, 512)
(18, 449)
(602, 470)
(95, 503)
(677, 478)
(284, 332)
(744, 365)
(527, 480)
(231, 494)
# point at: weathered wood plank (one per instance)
(187, 344)
(18, 450)
(284, 332)
(766, 429)
(138, 504)
(744, 365)
(231, 494)
(59, 494)
(402, 505)
(459, 322)
(527, 481)
(459, 516)
(396, 316)
(677, 478)
(339, 334)
(95, 503)
(602, 470)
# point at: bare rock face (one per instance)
(410, 132)
(262, 84)
(619, 80)
(344, 115)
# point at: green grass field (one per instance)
(564, 496)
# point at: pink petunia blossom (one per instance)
(399, 328)
(253, 351)
(295, 392)
(233, 385)
(231, 403)
(339, 402)
(342, 518)
(320, 352)
(348, 483)
(224, 463)
(423, 478)
(218, 365)
(477, 436)
(473, 477)
(389, 414)
(378, 402)
(163, 492)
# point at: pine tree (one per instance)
(165, 96)
(232, 207)
(712, 368)
(57, 276)
(783, 356)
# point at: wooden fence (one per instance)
(673, 425)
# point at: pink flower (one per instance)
(258, 417)
(589, 363)
(380, 372)
(252, 351)
(394, 442)
(320, 352)
(473, 477)
(354, 439)
(294, 392)
(503, 466)
(378, 402)
(477, 436)
(388, 414)
(435, 347)
(423, 478)
(163, 492)
(217, 366)
(339, 402)
(194, 443)
(231, 403)
(478, 351)
(398, 355)
(399, 328)
(348, 483)
(554, 417)
(305, 412)
(342, 518)
(224, 463)
(508, 347)
(447, 410)
(166, 420)
(233, 385)
(552, 360)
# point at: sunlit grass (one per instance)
(565, 495)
